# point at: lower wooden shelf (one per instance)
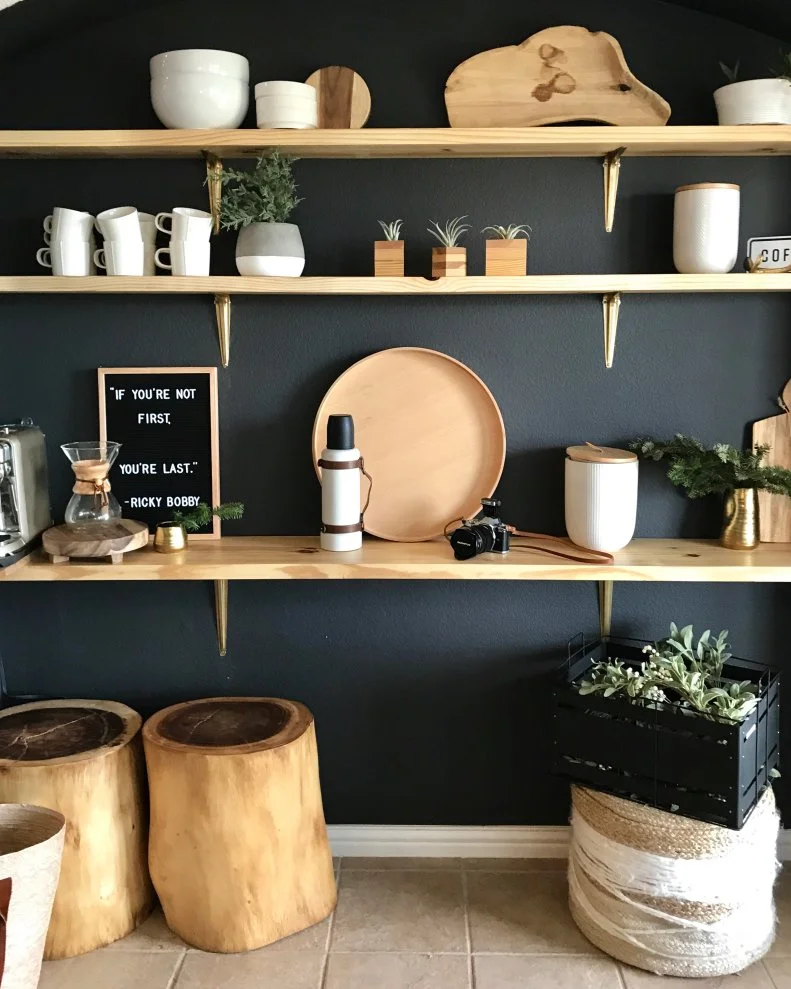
(299, 558)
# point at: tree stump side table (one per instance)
(84, 758)
(239, 854)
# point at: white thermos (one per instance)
(341, 465)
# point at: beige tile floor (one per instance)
(412, 924)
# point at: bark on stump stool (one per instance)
(84, 758)
(238, 852)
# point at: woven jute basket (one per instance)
(31, 845)
(627, 871)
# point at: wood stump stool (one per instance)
(84, 758)
(239, 853)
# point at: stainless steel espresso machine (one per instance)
(24, 489)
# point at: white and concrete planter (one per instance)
(270, 249)
(755, 101)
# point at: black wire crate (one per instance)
(661, 754)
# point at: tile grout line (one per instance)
(467, 930)
(330, 927)
(177, 970)
(621, 976)
(762, 963)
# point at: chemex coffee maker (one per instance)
(24, 490)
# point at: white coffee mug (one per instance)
(148, 228)
(187, 257)
(121, 222)
(186, 223)
(67, 257)
(121, 257)
(63, 223)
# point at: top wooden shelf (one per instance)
(405, 142)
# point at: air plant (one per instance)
(451, 233)
(511, 232)
(731, 74)
(392, 231)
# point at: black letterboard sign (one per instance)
(165, 419)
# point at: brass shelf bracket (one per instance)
(611, 306)
(222, 312)
(612, 173)
(605, 607)
(221, 614)
(214, 182)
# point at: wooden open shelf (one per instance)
(299, 558)
(404, 142)
(362, 285)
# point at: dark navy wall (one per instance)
(431, 698)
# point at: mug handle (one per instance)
(161, 264)
(47, 224)
(160, 223)
(48, 238)
(40, 253)
(99, 258)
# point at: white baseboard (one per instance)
(425, 841)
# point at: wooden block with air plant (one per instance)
(506, 250)
(449, 259)
(389, 253)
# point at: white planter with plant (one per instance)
(755, 101)
(258, 203)
(506, 250)
(450, 258)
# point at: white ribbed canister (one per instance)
(601, 497)
(706, 228)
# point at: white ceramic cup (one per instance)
(68, 257)
(121, 257)
(187, 257)
(286, 105)
(63, 223)
(120, 223)
(148, 228)
(706, 228)
(186, 223)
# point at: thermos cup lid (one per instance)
(589, 453)
(340, 432)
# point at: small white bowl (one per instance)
(281, 87)
(209, 60)
(199, 100)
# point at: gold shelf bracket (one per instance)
(605, 607)
(611, 306)
(612, 173)
(214, 182)
(222, 311)
(221, 614)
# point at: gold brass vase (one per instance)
(740, 519)
(170, 537)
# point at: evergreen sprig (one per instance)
(702, 471)
(265, 194)
(202, 515)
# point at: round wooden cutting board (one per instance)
(431, 434)
(343, 96)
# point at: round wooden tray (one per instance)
(431, 434)
(95, 539)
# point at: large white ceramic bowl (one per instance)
(199, 100)
(217, 63)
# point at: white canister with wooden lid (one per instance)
(706, 228)
(601, 496)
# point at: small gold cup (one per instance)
(170, 537)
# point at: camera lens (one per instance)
(469, 540)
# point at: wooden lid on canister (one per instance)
(708, 185)
(590, 453)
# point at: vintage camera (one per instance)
(486, 533)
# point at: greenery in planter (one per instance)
(265, 194)
(731, 74)
(678, 672)
(511, 232)
(202, 515)
(391, 231)
(702, 471)
(783, 71)
(451, 233)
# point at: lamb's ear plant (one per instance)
(267, 193)
(511, 232)
(731, 73)
(202, 515)
(451, 233)
(392, 230)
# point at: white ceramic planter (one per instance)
(200, 88)
(270, 249)
(282, 104)
(756, 101)
(601, 500)
(706, 228)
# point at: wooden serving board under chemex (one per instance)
(775, 510)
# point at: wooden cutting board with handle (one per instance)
(775, 510)
(343, 96)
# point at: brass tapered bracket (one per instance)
(214, 182)
(222, 310)
(221, 614)
(611, 306)
(605, 606)
(612, 173)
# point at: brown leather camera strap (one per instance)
(592, 555)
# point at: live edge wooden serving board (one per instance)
(775, 510)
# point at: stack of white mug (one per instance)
(190, 250)
(68, 234)
(129, 241)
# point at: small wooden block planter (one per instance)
(239, 853)
(506, 257)
(447, 261)
(84, 759)
(389, 258)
